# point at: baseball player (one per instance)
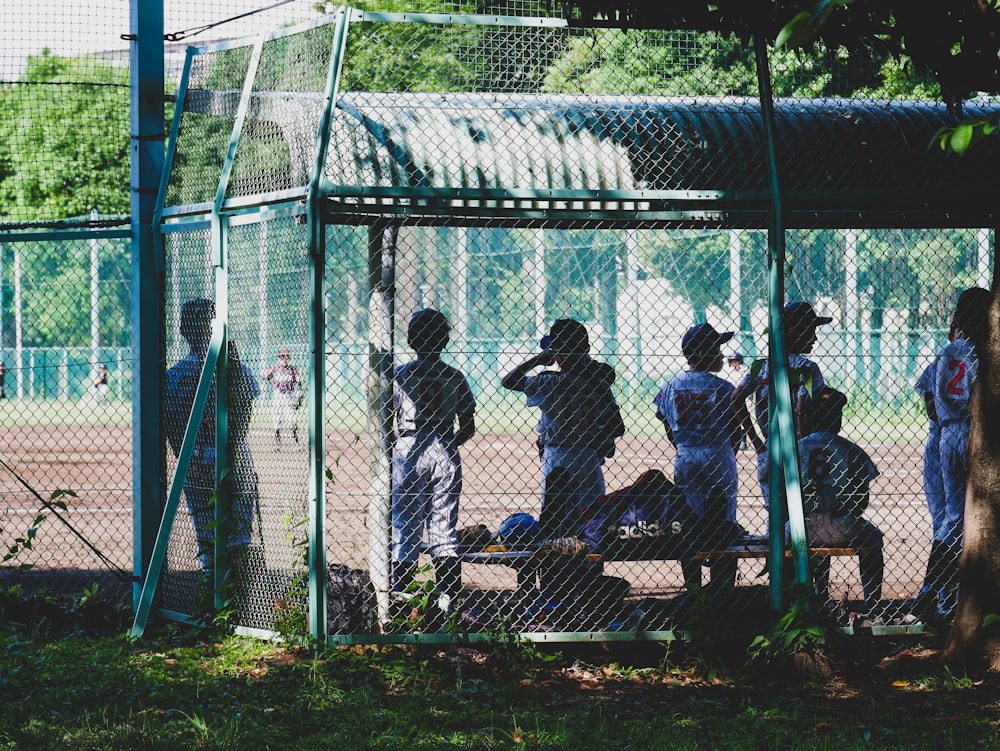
(734, 368)
(799, 321)
(836, 476)
(181, 383)
(580, 419)
(932, 476)
(701, 419)
(285, 381)
(955, 369)
(429, 397)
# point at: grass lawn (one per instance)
(65, 688)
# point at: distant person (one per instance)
(286, 384)
(435, 414)
(701, 419)
(3, 380)
(799, 323)
(181, 384)
(579, 421)
(734, 368)
(99, 388)
(836, 477)
(955, 371)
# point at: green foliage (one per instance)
(708, 63)
(960, 138)
(291, 620)
(25, 542)
(801, 629)
(804, 26)
(652, 62)
(510, 653)
(64, 143)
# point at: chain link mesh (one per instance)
(526, 173)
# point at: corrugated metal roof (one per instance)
(466, 148)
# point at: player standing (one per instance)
(285, 381)
(799, 321)
(579, 419)
(955, 371)
(180, 384)
(429, 396)
(932, 476)
(702, 420)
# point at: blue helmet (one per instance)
(519, 527)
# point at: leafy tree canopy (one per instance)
(64, 147)
(958, 41)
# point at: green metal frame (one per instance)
(324, 205)
(784, 486)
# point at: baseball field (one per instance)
(89, 453)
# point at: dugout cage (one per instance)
(325, 181)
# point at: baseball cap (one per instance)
(824, 404)
(801, 316)
(735, 357)
(567, 337)
(428, 328)
(702, 340)
(284, 351)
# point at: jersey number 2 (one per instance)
(959, 367)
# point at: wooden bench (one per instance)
(762, 551)
(750, 547)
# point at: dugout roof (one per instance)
(630, 160)
(651, 158)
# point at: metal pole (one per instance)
(382, 282)
(784, 465)
(317, 344)
(18, 323)
(852, 305)
(95, 310)
(632, 305)
(983, 257)
(147, 152)
(736, 285)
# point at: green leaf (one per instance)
(961, 138)
(798, 32)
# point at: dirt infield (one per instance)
(502, 476)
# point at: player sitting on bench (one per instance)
(836, 474)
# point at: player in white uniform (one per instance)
(702, 421)
(580, 419)
(284, 379)
(836, 477)
(955, 371)
(429, 396)
(799, 320)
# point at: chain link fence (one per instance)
(65, 400)
(66, 280)
(509, 173)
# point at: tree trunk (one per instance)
(970, 645)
